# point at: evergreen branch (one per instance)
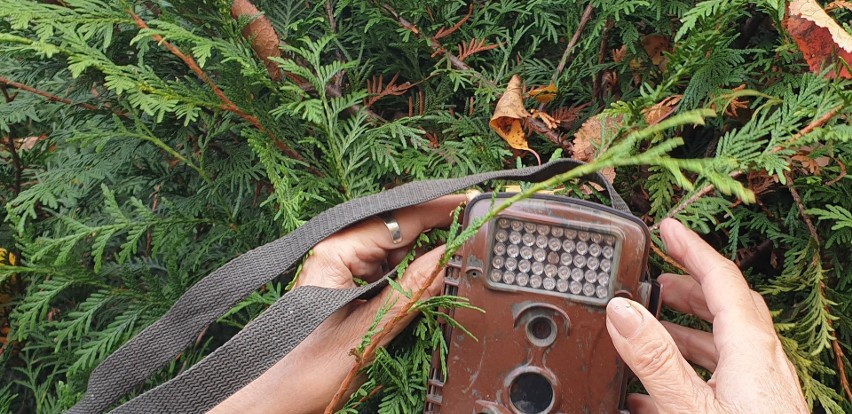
(569, 50)
(50, 97)
(536, 124)
(835, 345)
(16, 164)
(227, 104)
(816, 123)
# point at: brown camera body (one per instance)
(542, 273)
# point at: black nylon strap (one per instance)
(281, 327)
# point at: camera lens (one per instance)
(540, 327)
(531, 393)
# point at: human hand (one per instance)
(305, 380)
(751, 373)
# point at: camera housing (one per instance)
(542, 271)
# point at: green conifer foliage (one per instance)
(143, 144)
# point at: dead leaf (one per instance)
(819, 37)
(261, 34)
(29, 143)
(566, 117)
(543, 94)
(838, 4)
(661, 110)
(590, 136)
(619, 54)
(655, 45)
(508, 114)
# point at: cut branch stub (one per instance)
(264, 40)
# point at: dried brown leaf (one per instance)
(820, 37)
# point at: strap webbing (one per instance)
(278, 329)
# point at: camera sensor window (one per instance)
(552, 258)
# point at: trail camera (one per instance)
(543, 271)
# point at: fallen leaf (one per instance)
(661, 110)
(543, 94)
(590, 136)
(819, 37)
(655, 45)
(508, 114)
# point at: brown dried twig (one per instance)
(227, 104)
(468, 49)
(50, 97)
(446, 32)
(816, 123)
(379, 90)
(569, 50)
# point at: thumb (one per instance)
(648, 349)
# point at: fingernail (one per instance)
(622, 313)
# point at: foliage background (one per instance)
(132, 166)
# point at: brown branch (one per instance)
(446, 32)
(330, 10)
(816, 123)
(366, 356)
(50, 97)
(666, 258)
(838, 352)
(227, 104)
(569, 50)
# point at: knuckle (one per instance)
(654, 356)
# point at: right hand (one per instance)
(751, 373)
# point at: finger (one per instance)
(684, 294)
(648, 349)
(416, 276)
(360, 246)
(696, 346)
(641, 404)
(737, 320)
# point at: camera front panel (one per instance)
(542, 272)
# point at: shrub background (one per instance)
(146, 143)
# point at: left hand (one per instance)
(305, 380)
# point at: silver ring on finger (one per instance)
(393, 227)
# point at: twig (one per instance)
(816, 123)
(596, 84)
(798, 199)
(841, 368)
(569, 50)
(666, 258)
(50, 97)
(838, 352)
(446, 32)
(332, 24)
(377, 339)
(227, 104)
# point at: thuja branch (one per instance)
(536, 124)
(835, 345)
(227, 104)
(816, 123)
(50, 97)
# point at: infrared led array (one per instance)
(538, 256)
